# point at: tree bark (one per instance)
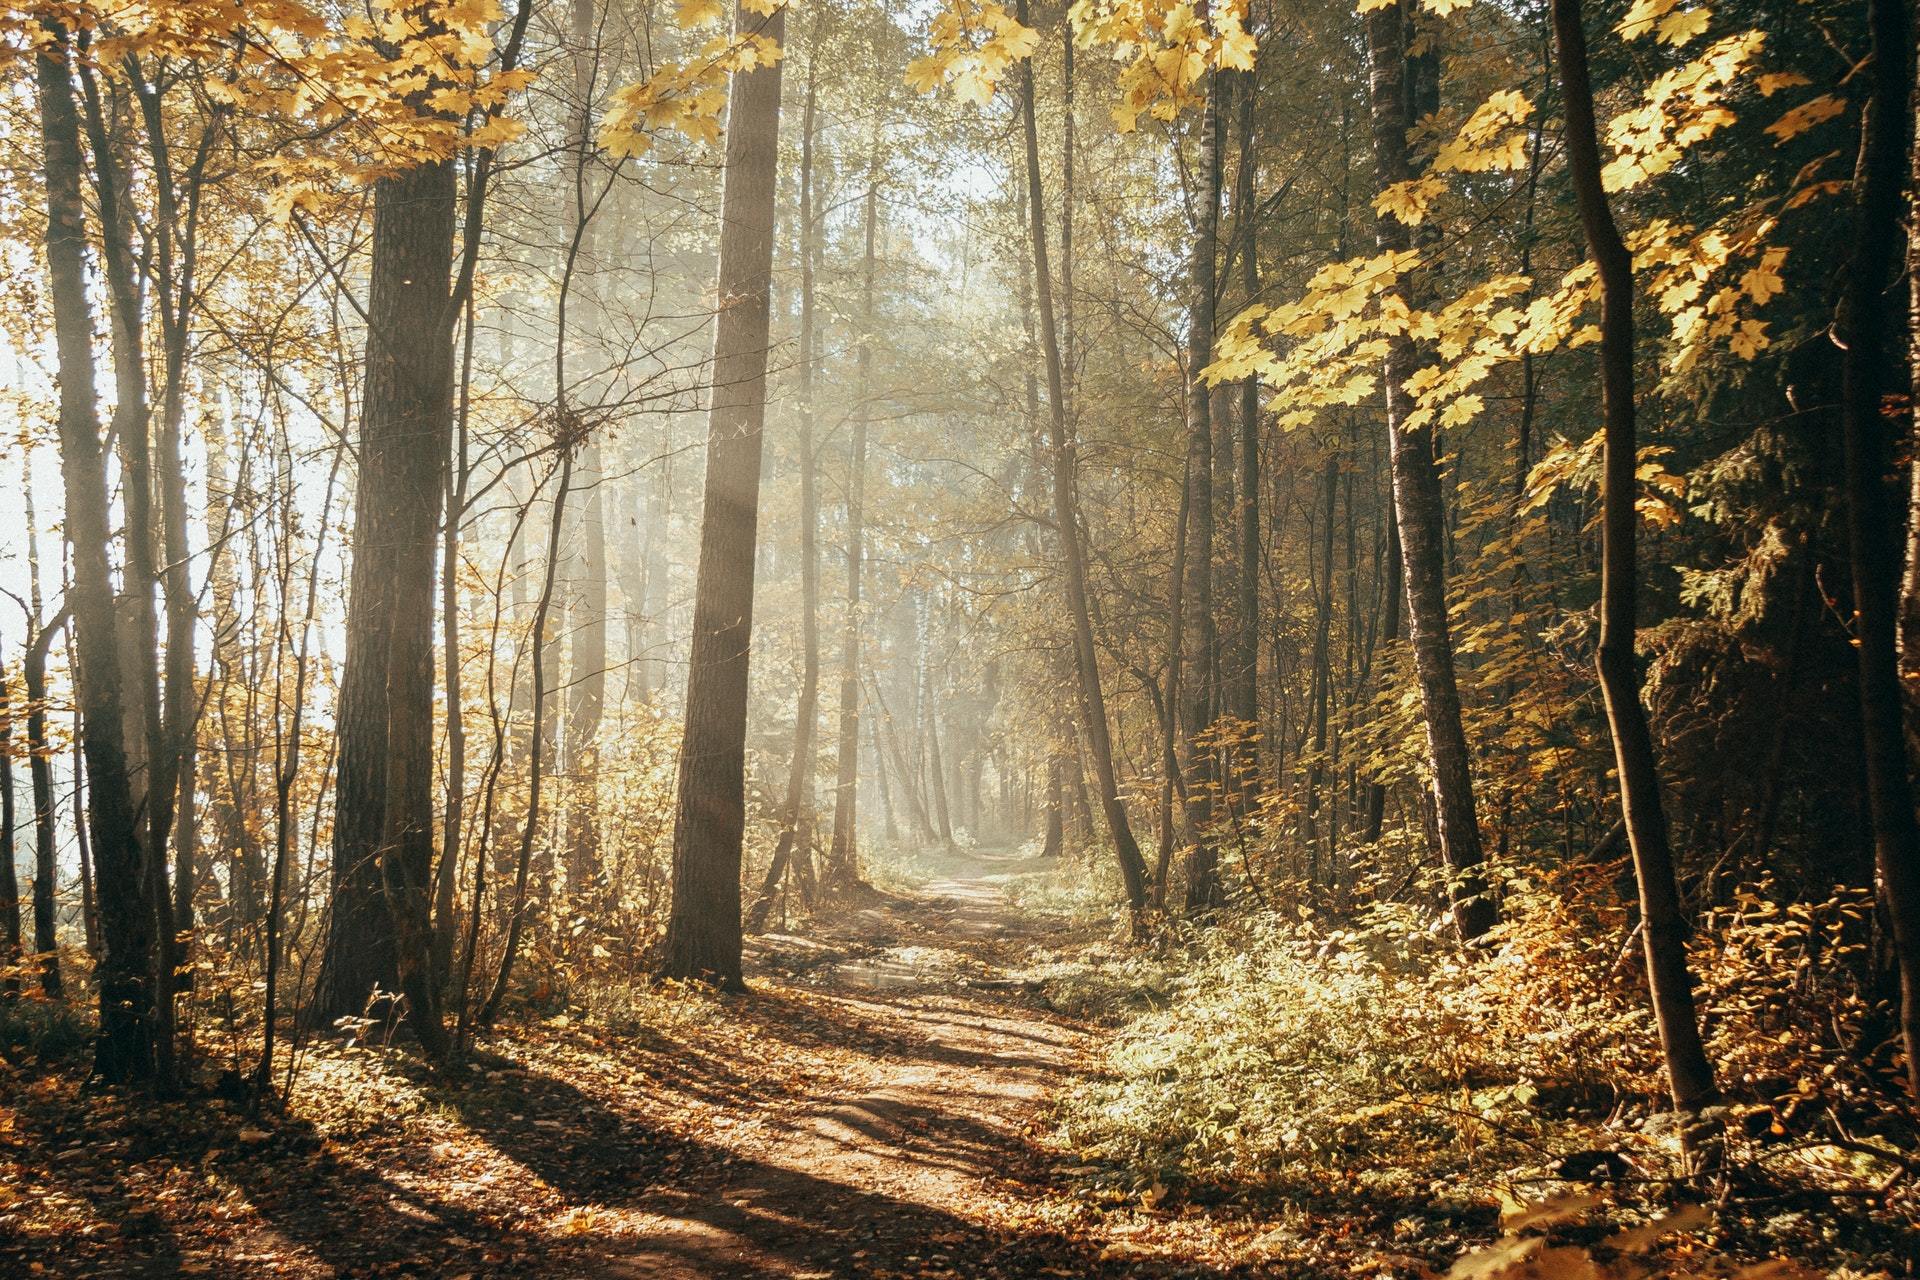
(1663, 926)
(842, 854)
(1419, 506)
(380, 923)
(703, 931)
(1871, 374)
(46, 842)
(9, 874)
(796, 831)
(1201, 691)
(124, 1051)
(1066, 520)
(1243, 661)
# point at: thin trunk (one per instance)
(140, 634)
(536, 755)
(1066, 519)
(842, 856)
(703, 932)
(587, 602)
(9, 874)
(452, 822)
(1201, 695)
(1243, 657)
(1418, 503)
(46, 842)
(1663, 925)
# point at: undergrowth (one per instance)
(1267, 1059)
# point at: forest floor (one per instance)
(877, 1106)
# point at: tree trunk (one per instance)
(125, 1048)
(1871, 374)
(153, 773)
(1419, 506)
(1201, 692)
(796, 831)
(1663, 927)
(1242, 700)
(46, 841)
(842, 855)
(380, 922)
(1066, 519)
(703, 931)
(587, 635)
(9, 874)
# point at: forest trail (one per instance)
(923, 1160)
(874, 1108)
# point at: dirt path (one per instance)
(872, 1109)
(923, 1163)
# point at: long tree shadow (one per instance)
(77, 1155)
(723, 1214)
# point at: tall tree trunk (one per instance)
(703, 931)
(1663, 926)
(587, 635)
(1419, 506)
(125, 1048)
(1872, 373)
(1066, 515)
(139, 636)
(1201, 692)
(842, 854)
(380, 923)
(1242, 698)
(796, 831)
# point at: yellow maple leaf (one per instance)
(1814, 111)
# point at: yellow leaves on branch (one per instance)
(1682, 108)
(1665, 21)
(1493, 138)
(405, 83)
(974, 43)
(1325, 349)
(1166, 48)
(688, 94)
(1570, 464)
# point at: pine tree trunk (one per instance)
(703, 931)
(1663, 926)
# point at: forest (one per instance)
(960, 638)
